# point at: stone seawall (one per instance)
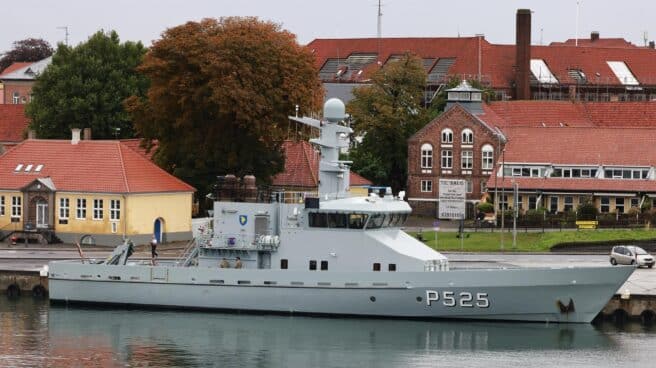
(15, 283)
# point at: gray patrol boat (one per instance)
(329, 254)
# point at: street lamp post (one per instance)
(503, 191)
(515, 212)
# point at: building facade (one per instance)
(91, 191)
(17, 81)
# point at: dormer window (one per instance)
(467, 136)
(447, 136)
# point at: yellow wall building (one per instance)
(91, 191)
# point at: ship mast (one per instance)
(334, 174)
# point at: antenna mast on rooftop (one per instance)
(380, 21)
(65, 28)
(576, 36)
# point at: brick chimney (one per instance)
(594, 36)
(523, 55)
(87, 134)
(651, 44)
(75, 136)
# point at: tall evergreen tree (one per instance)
(385, 114)
(85, 86)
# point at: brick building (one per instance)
(17, 80)
(594, 69)
(558, 153)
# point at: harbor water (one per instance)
(36, 334)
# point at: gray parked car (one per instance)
(629, 254)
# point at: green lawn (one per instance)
(527, 242)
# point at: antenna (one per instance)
(576, 37)
(65, 28)
(645, 37)
(380, 20)
(541, 33)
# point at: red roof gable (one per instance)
(15, 66)
(89, 166)
(302, 167)
(13, 122)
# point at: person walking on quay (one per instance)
(153, 248)
(224, 263)
(238, 263)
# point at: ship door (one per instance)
(264, 260)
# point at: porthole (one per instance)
(419, 299)
(372, 298)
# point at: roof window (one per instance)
(38, 168)
(28, 167)
(541, 72)
(18, 167)
(623, 73)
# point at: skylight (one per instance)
(38, 168)
(541, 72)
(623, 73)
(18, 167)
(28, 167)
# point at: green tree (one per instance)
(220, 96)
(31, 49)
(385, 114)
(85, 86)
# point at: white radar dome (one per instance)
(334, 110)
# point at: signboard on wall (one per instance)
(452, 199)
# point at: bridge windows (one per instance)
(376, 266)
(313, 265)
(355, 220)
(284, 264)
(324, 265)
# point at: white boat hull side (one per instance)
(512, 294)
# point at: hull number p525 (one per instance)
(452, 299)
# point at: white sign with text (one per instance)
(452, 199)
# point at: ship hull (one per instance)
(568, 295)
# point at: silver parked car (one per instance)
(629, 254)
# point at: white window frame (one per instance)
(447, 136)
(426, 156)
(2, 205)
(467, 160)
(469, 186)
(15, 98)
(467, 136)
(16, 206)
(81, 209)
(487, 159)
(115, 210)
(64, 208)
(98, 209)
(447, 159)
(426, 186)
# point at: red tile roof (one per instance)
(535, 113)
(89, 166)
(504, 114)
(15, 66)
(135, 145)
(582, 146)
(302, 167)
(13, 122)
(498, 61)
(601, 42)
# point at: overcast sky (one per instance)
(553, 20)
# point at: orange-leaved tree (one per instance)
(219, 98)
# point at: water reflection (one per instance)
(35, 334)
